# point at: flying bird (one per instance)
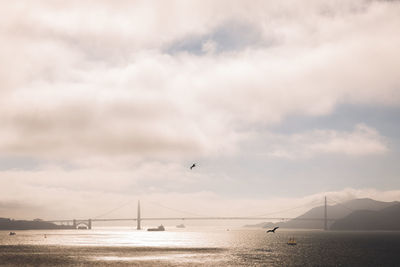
(272, 230)
(194, 165)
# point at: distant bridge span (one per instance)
(138, 219)
(191, 218)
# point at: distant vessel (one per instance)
(12, 233)
(292, 241)
(159, 228)
(180, 226)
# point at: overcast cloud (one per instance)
(116, 99)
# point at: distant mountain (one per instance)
(334, 212)
(364, 220)
(10, 224)
(338, 211)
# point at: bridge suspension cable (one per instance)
(126, 203)
(201, 216)
(286, 210)
(114, 209)
(177, 210)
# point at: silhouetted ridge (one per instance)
(337, 211)
(10, 224)
(362, 220)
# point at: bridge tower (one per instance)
(326, 216)
(138, 216)
(90, 224)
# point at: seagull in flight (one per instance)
(272, 230)
(194, 165)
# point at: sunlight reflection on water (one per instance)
(188, 247)
(117, 237)
(193, 258)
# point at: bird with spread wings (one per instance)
(272, 230)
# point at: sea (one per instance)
(201, 246)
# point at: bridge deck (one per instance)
(192, 218)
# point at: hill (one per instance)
(337, 211)
(10, 224)
(364, 220)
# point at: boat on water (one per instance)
(12, 233)
(159, 228)
(292, 242)
(180, 226)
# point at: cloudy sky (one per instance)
(279, 103)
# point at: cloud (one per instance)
(362, 141)
(75, 87)
(101, 89)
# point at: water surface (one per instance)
(198, 247)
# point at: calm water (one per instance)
(198, 247)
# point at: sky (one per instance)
(279, 103)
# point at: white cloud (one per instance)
(93, 84)
(101, 84)
(362, 141)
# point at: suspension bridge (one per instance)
(87, 223)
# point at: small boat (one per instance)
(180, 226)
(292, 242)
(159, 228)
(12, 233)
